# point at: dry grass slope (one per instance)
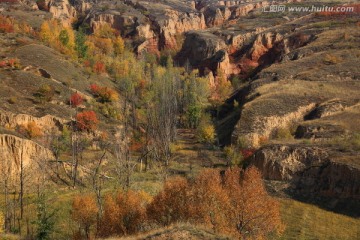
(307, 222)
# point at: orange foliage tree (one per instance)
(76, 99)
(84, 212)
(57, 36)
(253, 213)
(171, 204)
(209, 203)
(123, 214)
(87, 120)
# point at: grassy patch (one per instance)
(283, 133)
(305, 221)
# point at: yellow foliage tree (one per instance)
(205, 132)
(119, 46)
(105, 31)
(57, 36)
(45, 32)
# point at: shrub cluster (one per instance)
(12, 62)
(87, 121)
(30, 130)
(104, 94)
(76, 99)
(234, 203)
(45, 93)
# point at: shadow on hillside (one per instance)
(348, 207)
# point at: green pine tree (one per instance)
(45, 222)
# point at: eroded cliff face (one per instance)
(310, 170)
(60, 9)
(245, 53)
(64, 11)
(263, 127)
(147, 23)
(46, 123)
(287, 162)
(150, 23)
(202, 49)
(14, 150)
(176, 23)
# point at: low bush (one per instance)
(283, 133)
(30, 130)
(233, 155)
(12, 100)
(109, 111)
(104, 94)
(76, 99)
(14, 63)
(45, 93)
(330, 59)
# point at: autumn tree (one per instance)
(57, 36)
(105, 31)
(119, 45)
(123, 214)
(30, 130)
(76, 99)
(45, 32)
(254, 214)
(84, 212)
(222, 88)
(205, 131)
(87, 121)
(209, 202)
(171, 204)
(104, 94)
(99, 67)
